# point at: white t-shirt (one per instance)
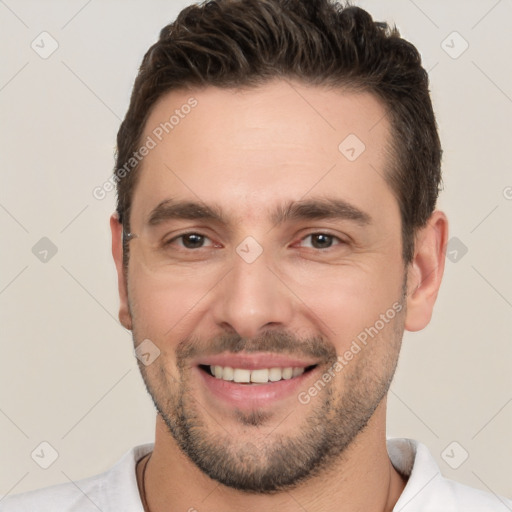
(116, 489)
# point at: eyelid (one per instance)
(342, 239)
(176, 237)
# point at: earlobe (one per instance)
(117, 252)
(426, 271)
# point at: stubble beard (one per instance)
(244, 459)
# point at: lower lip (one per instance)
(247, 396)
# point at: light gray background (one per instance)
(68, 375)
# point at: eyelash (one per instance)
(334, 237)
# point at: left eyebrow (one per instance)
(315, 209)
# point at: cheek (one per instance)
(348, 300)
(163, 306)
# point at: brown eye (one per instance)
(192, 240)
(189, 241)
(321, 240)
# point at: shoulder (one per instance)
(428, 491)
(116, 487)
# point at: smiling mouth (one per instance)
(255, 376)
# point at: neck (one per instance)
(362, 479)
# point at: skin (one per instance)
(248, 152)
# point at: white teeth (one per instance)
(297, 371)
(227, 373)
(287, 373)
(218, 372)
(259, 376)
(274, 374)
(241, 375)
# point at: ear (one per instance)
(426, 271)
(117, 252)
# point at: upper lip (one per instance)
(254, 361)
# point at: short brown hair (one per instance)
(246, 43)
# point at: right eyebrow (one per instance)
(189, 210)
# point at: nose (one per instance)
(252, 298)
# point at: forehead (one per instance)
(279, 142)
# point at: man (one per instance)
(276, 232)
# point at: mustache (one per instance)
(273, 341)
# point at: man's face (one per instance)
(291, 253)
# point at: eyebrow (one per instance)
(311, 209)
(189, 210)
(322, 208)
